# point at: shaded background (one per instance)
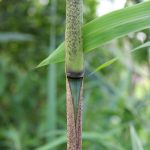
(32, 101)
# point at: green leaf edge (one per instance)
(136, 143)
(59, 52)
(111, 61)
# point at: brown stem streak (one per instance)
(74, 127)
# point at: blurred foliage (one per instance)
(115, 97)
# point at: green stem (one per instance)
(74, 73)
(51, 103)
(73, 38)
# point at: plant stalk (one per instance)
(74, 68)
(74, 120)
(52, 76)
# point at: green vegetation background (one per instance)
(114, 98)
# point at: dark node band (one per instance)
(75, 75)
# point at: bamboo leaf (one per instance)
(57, 56)
(136, 143)
(104, 65)
(111, 61)
(97, 39)
(107, 28)
(146, 44)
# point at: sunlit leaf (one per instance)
(136, 143)
(57, 56)
(109, 62)
(107, 28)
(104, 65)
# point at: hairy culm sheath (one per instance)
(74, 68)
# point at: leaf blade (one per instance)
(104, 65)
(111, 61)
(115, 33)
(136, 143)
(55, 57)
(108, 27)
(122, 16)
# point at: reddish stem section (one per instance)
(74, 127)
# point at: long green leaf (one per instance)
(108, 27)
(136, 143)
(111, 61)
(113, 33)
(104, 65)
(57, 56)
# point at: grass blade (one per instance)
(136, 143)
(109, 62)
(104, 65)
(108, 27)
(97, 39)
(55, 57)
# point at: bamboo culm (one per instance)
(74, 68)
